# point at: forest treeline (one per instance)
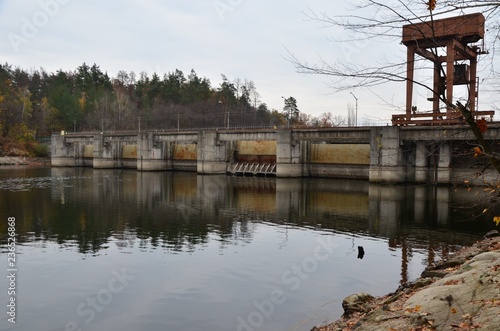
(35, 103)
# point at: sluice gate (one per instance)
(255, 169)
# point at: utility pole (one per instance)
(356, 120)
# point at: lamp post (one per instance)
(226, 112)
(356, 120)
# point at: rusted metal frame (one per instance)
(410, 60)
(465, 50)
(454, 118)
(423, 52)
(437, 88)
(450, 75)
(429, 114)
(473, 85)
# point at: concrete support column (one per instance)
(62, 154)
(386, 156)
(79, 152)
(444, 164)
(212, 153)
(105, 153)
(288, 155)
(150, 153)
(421, 163)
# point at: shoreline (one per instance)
(459, 293)
(24, 161)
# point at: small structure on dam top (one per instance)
(452, 45)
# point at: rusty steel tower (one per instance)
(452, 45)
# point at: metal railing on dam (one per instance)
(422, 154)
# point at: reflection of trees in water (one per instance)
(185, 211)
(436, 241)
(433, 249)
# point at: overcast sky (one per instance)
(238, 38)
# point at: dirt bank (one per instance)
(461, 293)
(22, 160)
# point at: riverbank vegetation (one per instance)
(34, 103)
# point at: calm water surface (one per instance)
(123, 250)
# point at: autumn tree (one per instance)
(61, 96)
(122, 106)
(10, 108)
(36, 103)
(173, 83)
(196, 89)
(15, 104)
(42, 112)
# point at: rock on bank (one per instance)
(461, 293)
(20, 160)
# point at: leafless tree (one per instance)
(351, 115)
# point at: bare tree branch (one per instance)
(383, 21)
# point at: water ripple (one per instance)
(20, 184)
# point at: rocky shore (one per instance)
(21, 160)
(460, 293)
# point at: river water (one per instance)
(125, 250)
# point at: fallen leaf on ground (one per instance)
(454, 282)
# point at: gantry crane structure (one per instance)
(452, 44)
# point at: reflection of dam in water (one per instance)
(202, 243)
(178, 210)
(341, 205)
(93, 209)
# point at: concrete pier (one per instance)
(290, 155)
(213, 153)
(386, 156)
(152, 154)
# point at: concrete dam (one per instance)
(392, 154)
